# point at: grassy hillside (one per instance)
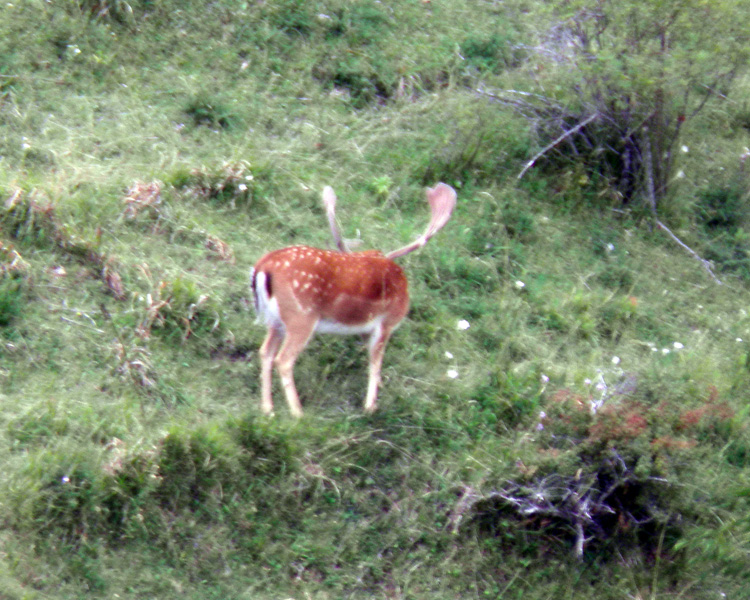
(563, 414)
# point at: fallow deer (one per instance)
(301, 290)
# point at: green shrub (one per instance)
(619, 82)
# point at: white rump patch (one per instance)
(267, 308)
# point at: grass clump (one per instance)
(210, 113)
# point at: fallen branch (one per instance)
(85, 325)
(706, 264)
(651, 197)
(549, 147)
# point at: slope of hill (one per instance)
(563, 412)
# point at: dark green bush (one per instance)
(723, 212)
(266, 452)
(211, 112)
(292, 16)
(723, 207)
(194, 467)
(11, 298)
(66, 505)
(360, 23)
(494, 52)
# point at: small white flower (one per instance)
(452, 373)
(615, 360)
(680, 174)
(685, 149)
(738, 339)
(448, 355)
(244, 65)
(587, 381)
(242, 187)
(601, 386)
(542, 415)
(678, 346)
(520, 284)
(544, 378)
(539, 427)
(463, 324)
(665, 350)
(65, 479)
(610, 247)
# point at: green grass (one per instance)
(149, 156)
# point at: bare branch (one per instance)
(549, 147)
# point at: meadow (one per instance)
(563, 412)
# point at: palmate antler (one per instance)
(442, 199)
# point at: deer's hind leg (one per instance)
(268, 352)
(297, 336)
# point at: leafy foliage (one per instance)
(625, 79)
